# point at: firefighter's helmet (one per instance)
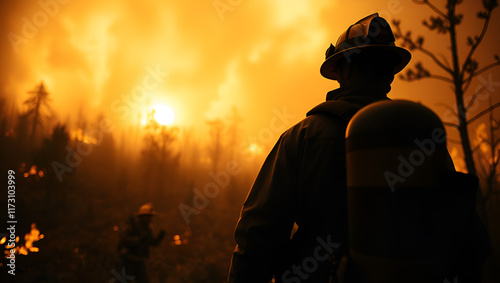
(146, 209)
(370, 33)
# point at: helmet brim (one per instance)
(328, 66)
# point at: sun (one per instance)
(164, 115)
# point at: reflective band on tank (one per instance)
(395, 167)
(394, 138)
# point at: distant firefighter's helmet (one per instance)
(146, 209)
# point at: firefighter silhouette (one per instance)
(135, 241)
(303, 181)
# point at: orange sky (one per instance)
(259, 56)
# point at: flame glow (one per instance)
(255, 148)
(82, 136)
(163, 114)
(121, 57)
(177, 240)
(29, 240)
(33, 171)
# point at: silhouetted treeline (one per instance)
(81, 182)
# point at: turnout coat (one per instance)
(302, 181)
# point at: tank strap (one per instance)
(337, 108)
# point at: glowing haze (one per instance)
(164, 114)
(200, 58)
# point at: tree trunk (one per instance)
(35, 117)
(462, 117)
(466, 147)
(459, 95)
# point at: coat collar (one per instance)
(358, 97)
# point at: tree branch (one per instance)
(454, 141)
(478, 72)
(491, 108)
(478, 41)
(450, 125)
(467, 82)
(474, 97)
(447, 107)
(408, 41)
(435, 59)
(495, 160)
(478, 146)
(445, 61)
(437, 77)
(434, 8)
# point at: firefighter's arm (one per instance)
(263, 230)
(157, 240)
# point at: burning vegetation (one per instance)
(29, 243)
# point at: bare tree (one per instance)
(458, 74)
(487, 150)
(233, 130)
(159, 157)
(216, 130)
(150, 151)
(38, 109)
(53, 150)
(169, 159)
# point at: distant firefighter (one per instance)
(135, 241)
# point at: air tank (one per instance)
(396, 156)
